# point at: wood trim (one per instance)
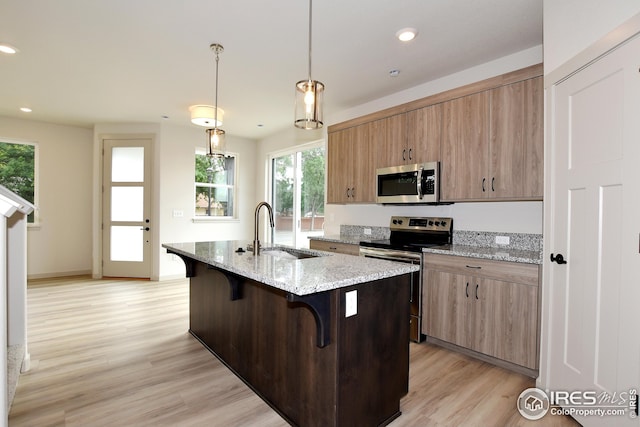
(490, 83)
(533, 373)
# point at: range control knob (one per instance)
(395, 221)
(430, 222)
(399, 221)
(443, 223)
(437, 223)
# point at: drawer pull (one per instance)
(474, 266)
(333, 248)
(466, 291)
(476, 291)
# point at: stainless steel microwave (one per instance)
(418, 183)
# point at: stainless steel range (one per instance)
(407, 238)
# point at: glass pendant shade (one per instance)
(309, 94)
(215, 142)
(206, 115)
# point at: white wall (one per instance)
(570, 26)
(177, 166)
(61, 243)
(173, 189)
(515, 217)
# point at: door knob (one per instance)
(558, 258)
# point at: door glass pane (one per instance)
(311, 194)
(127, 243)
(283, 182)
(298, 196)
(127, 164)
(127, 203)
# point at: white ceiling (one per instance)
(83, 62)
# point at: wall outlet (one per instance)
(351, 303)
(367, 231)
(502, 240)
(178, 213)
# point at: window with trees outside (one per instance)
(18, 170)
(297, 197)
(215, 188)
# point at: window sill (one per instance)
(213, 219)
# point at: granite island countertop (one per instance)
(327, 271)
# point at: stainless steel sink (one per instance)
(289, 253)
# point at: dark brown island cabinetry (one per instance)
(300, 354)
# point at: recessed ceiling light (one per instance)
(394, 73)
(8, 49)
(406, 34)
(26, 109)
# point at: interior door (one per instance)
(126, 223)
(593, 221)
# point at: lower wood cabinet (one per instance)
(341, 248)
(490, 307)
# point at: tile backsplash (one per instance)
(485, 239)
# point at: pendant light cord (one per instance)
(215, 124)
(310, 20)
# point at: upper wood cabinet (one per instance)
(516, 140)
(492, 146)
(389, 137)
(465, 148)
(350, 166)
(424, 134)
(407, 138)
(488, 137)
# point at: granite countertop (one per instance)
(496, 254)
(491, 253)
(352, 240)
(325, 272)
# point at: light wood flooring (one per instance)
(117, 353)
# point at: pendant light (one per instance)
(215, 136)
(309, 96)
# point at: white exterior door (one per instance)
(126, 223)
(592, 218)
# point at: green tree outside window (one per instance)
(17, 170)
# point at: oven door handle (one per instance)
(419, 183)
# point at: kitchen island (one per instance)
(280, 322)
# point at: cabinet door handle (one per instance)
(466, 291)
(492, 180)
(476, 291)
(410, 155)
(558, 258)
(404, 151)
(474, 266)
(353, 191)
(333, 248)
(483, 181)
(348, 194)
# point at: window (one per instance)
(215, 180)
(297, 194)
(18, 170)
